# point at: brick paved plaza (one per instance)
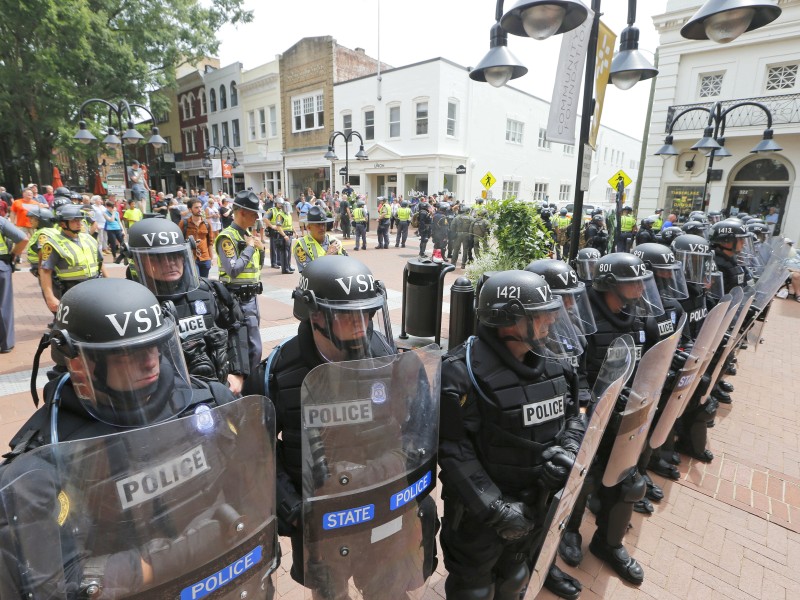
(728, 530)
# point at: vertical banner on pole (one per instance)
(216, 168)
(567, 89)
(606, 40)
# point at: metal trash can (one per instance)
(423, 289)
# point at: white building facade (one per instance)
(760, 66)
(225, 123)
(262, 160)
(425, 123)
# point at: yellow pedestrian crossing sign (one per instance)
(614, 181)
(488, 180)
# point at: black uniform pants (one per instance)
(285, 253)
(625, 241)
(462, 245)
(361, 232)
(345, 223)
(383, 233)
(274, 255)
(424, 236)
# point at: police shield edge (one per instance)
(640, 408)
(730, 340)
(717, 344)
(772, 278)
(617, 368)
(193, 497)
(370, 437)
(688, 378)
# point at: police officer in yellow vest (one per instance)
(658, 222)
(360, 220)
(627, 229)
(403, 221)
(70, 253)
(42, 224)
(561, 224)
(285, 228)
(384, 222)
(12, 244)
(240, 256)
(316, 242)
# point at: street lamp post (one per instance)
(331, 153)
(713, 139)
(130, 137)
(218, 150)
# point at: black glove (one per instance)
(217, 346)
(197, 546)
(556, 467)
(508, 519)
(622, 400)
(197, 361)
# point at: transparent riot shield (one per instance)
(616, 370)
(370, 437)
(729, 341)
(772, 277)
(183, 509)
(688, 378)
(643, 398)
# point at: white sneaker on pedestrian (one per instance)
(782, 293)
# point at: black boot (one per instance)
(659, 466)
(654, 492)
(730, 370)
(569, 548)
(618, 559)
(562, 585)
(725, 386)
(721, 396)
(644, 506)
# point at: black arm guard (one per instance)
(217, 347)
(231, 318)
(197, 359)
(572, 436)
(290, 502)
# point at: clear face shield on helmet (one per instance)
(546, 330)
(584, 267)
(715, 286)
(133, 384)
(670, 281)
(352, 330)
(576, 303)
(639, 296)
(166, 270)
(696, 265)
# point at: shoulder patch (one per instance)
(300, 253)
(42, 239)
(228, 249)
(47, 250)
(63, 511)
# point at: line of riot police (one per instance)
(148, 476)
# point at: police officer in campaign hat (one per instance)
(119, 527)
(623, 295)
(343, 317)
(68, 256)
(210, 320)
(240, 256)
(316, 242)
(510, 429)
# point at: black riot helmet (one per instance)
(564, 282)
(246, 199)
(597, 219)
(59, 201)
(342, 300)
(759, 230)
(424, 206)
(524, 307)
(714, 216)
(694, 253)
(667, 270)
(62, 191)
(669, 234)
(164, 261)
(44, 216)
(648, 222)
(404, 203)
(123, 353)
(585, 261)
(67, 212)
(695, 228)
(727, 234)
(698, 215)
(627, 277)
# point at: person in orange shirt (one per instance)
(19, 211)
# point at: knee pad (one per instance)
(511, 581)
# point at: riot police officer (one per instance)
(425, 225)
(623, 295)
(727, 239)
(645, 234)
(210, 321)
(441, 229)
(584, 264)
(343, 316)
(68, 256)
(462, 226)
(510, 425)
(124, 372)
(240, 256)
(479, 241)
(596, 235)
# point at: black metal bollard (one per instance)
(462, 311)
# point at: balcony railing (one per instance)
(784, 108)
(189, 165)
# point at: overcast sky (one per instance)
(411, 31)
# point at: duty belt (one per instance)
(245, 293)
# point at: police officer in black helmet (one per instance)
(210, 321)
(623, 295)
(343, 317)
(727, 239)
(125, 371)
(510, 426)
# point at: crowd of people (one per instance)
(359, 427)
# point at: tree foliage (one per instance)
(518, 235)
(58, 53)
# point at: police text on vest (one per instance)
(541, 412)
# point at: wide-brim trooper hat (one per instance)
(247, 199)
(316, 214)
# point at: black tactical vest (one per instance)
(197, 312)
(695, 308)
(661, 327)
(733, 274)
(523, 413)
